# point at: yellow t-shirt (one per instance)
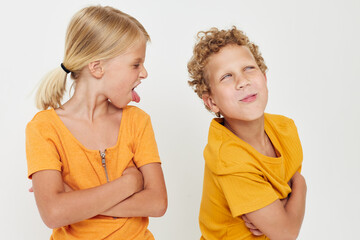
(50, 145)
(238, 179)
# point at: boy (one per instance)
(252, 159)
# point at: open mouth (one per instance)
(249, 98)
(135, 95)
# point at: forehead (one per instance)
(136, 50)
(227, 57)
(135, 53)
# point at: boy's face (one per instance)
(238, 87)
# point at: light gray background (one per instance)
(312, 51)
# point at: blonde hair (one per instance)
(209, 43)
(94, 33)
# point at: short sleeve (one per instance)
(246, 192)
(146, 150)
(41, 152)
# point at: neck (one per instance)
(88, 102)
(252, 132)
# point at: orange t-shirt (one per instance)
(50, 145)
(238, 179)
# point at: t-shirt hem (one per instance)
(148, 162)
(238, 211)
(32, 171)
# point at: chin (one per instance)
(248, 117)
(120, 105)
(255, 117)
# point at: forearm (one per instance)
(64, 208)
(279, 222)
(295, 207)
(146, 203)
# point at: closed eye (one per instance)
(249, 68)
(225, 76)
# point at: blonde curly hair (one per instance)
(209, 43)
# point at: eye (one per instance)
(225, 76)
(249, 68)
(136, 65)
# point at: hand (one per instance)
(67, 188)
(252, 228)
(136, 176)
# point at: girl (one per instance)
(93, 161)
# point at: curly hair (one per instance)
(209, 43)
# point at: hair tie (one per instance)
(64, 68)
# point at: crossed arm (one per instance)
(281, 219)
(150, 202)
(135, 193)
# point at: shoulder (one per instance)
(135, 113)
(44, 115)
(136, 120)
(280, 125)
(42, 120)
(279, 121)
(284, 134)
(44, 125)
(225, 153)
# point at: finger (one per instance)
(67, 188)
(245, 218)
(250, 225)
(256, 232)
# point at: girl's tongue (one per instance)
(135, 96)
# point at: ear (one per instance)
(265, 77)
(210, 103)
(96, 69)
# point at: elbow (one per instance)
(51, 224)
(294, 234)
(160, 207)
(52, 218)
(290, 235)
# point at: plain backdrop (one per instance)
(312, 52)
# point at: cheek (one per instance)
(119, 83)
(260, 85)
(224, 94)
(265, 97)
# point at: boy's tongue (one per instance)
(135, 96)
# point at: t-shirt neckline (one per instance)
(270, 134)
(68, 132)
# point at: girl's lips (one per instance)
(135, 96)
(249, 98)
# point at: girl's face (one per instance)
(123, 73)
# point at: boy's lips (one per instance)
(249, 98)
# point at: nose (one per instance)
(143, 73)
(241, 82)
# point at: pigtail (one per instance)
(51, 89)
